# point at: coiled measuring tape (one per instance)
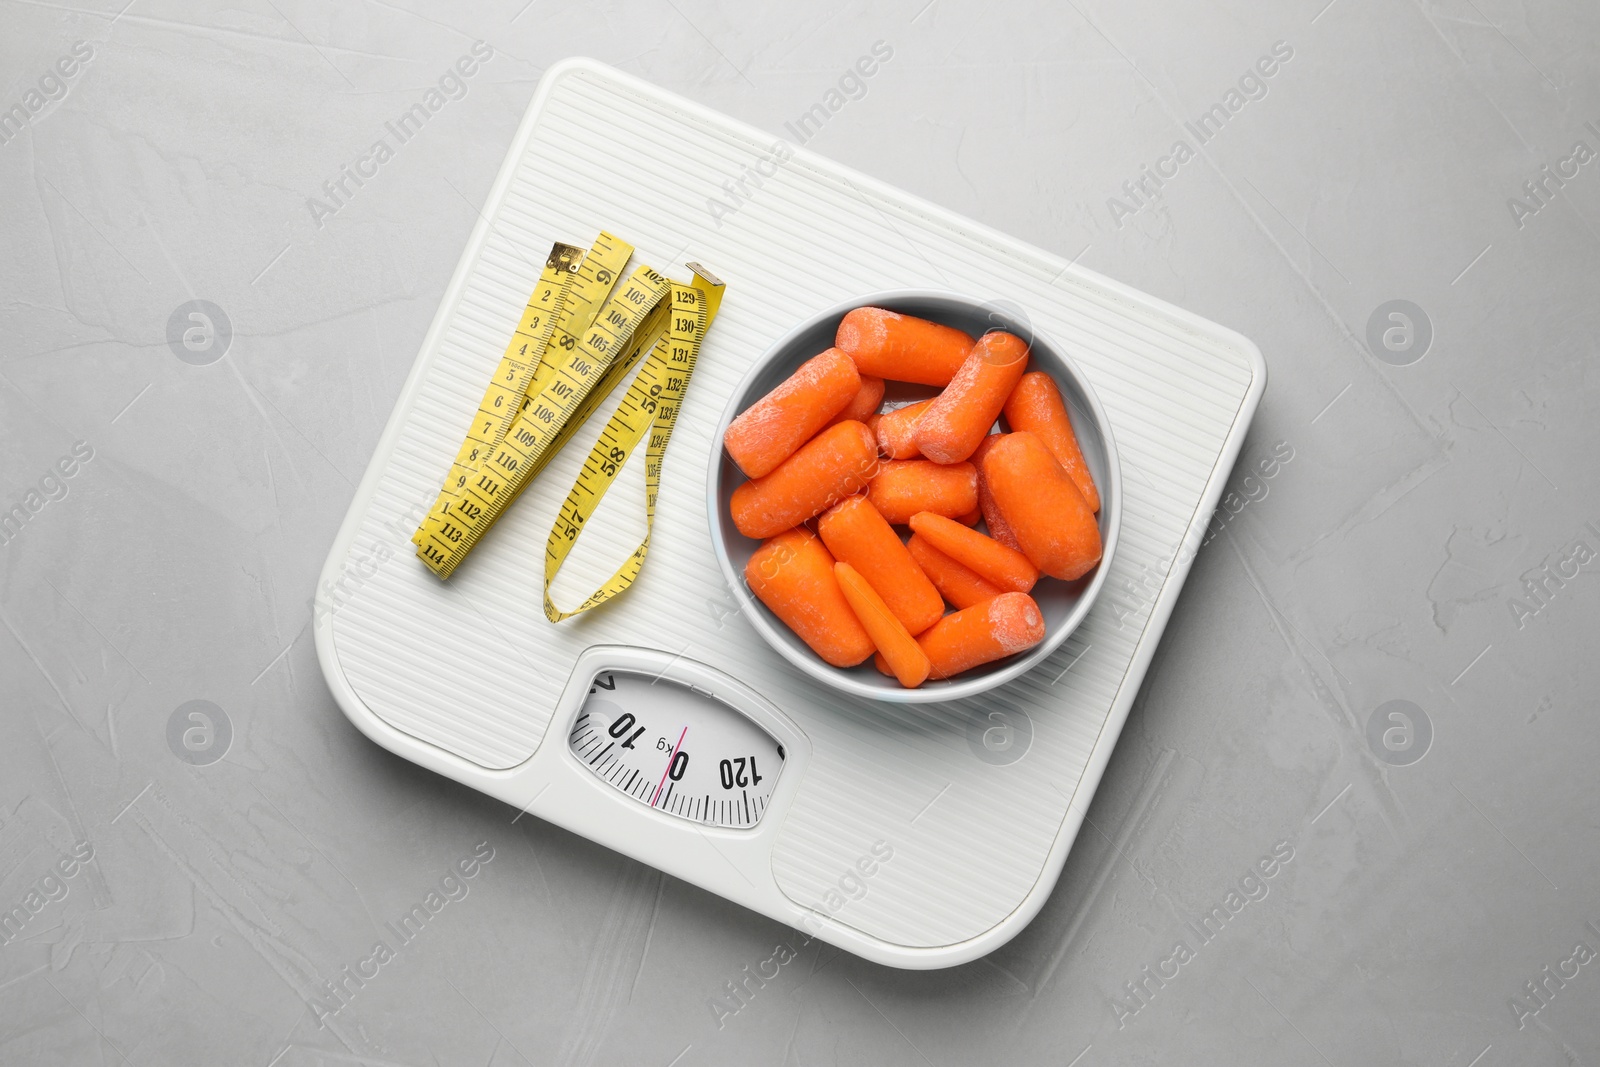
(579, 336)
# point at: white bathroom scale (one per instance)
(661, 724)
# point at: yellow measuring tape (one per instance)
(579, 336)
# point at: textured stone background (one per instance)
(1412, 548)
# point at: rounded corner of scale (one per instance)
(1253, 356)
(979, 945)
(564, 68)
(933, 957)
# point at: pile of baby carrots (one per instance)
(818, 448)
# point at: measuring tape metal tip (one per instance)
(565, 258)
(704, 273)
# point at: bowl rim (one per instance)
(836, 677)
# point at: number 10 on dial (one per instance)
(675, 749)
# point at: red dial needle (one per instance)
(668, 771)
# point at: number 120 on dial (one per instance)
(675, 749)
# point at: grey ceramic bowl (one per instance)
(1064, 604)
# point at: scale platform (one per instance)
(917, 836)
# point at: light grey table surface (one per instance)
(1427, 535)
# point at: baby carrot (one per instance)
(956, 582)
(865, 403)
(999, 529)
(792, 574)
(897, 430)
(994, 562)
(768, 431)
(898, 648)
(856, 534)
(985, 632)
(836, 463)
(903, 487)
(960, 417)
(971, 518)
(1035, 405)
(901, 347)
(1043, 506)
(883, 665)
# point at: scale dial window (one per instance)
(676, 749)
